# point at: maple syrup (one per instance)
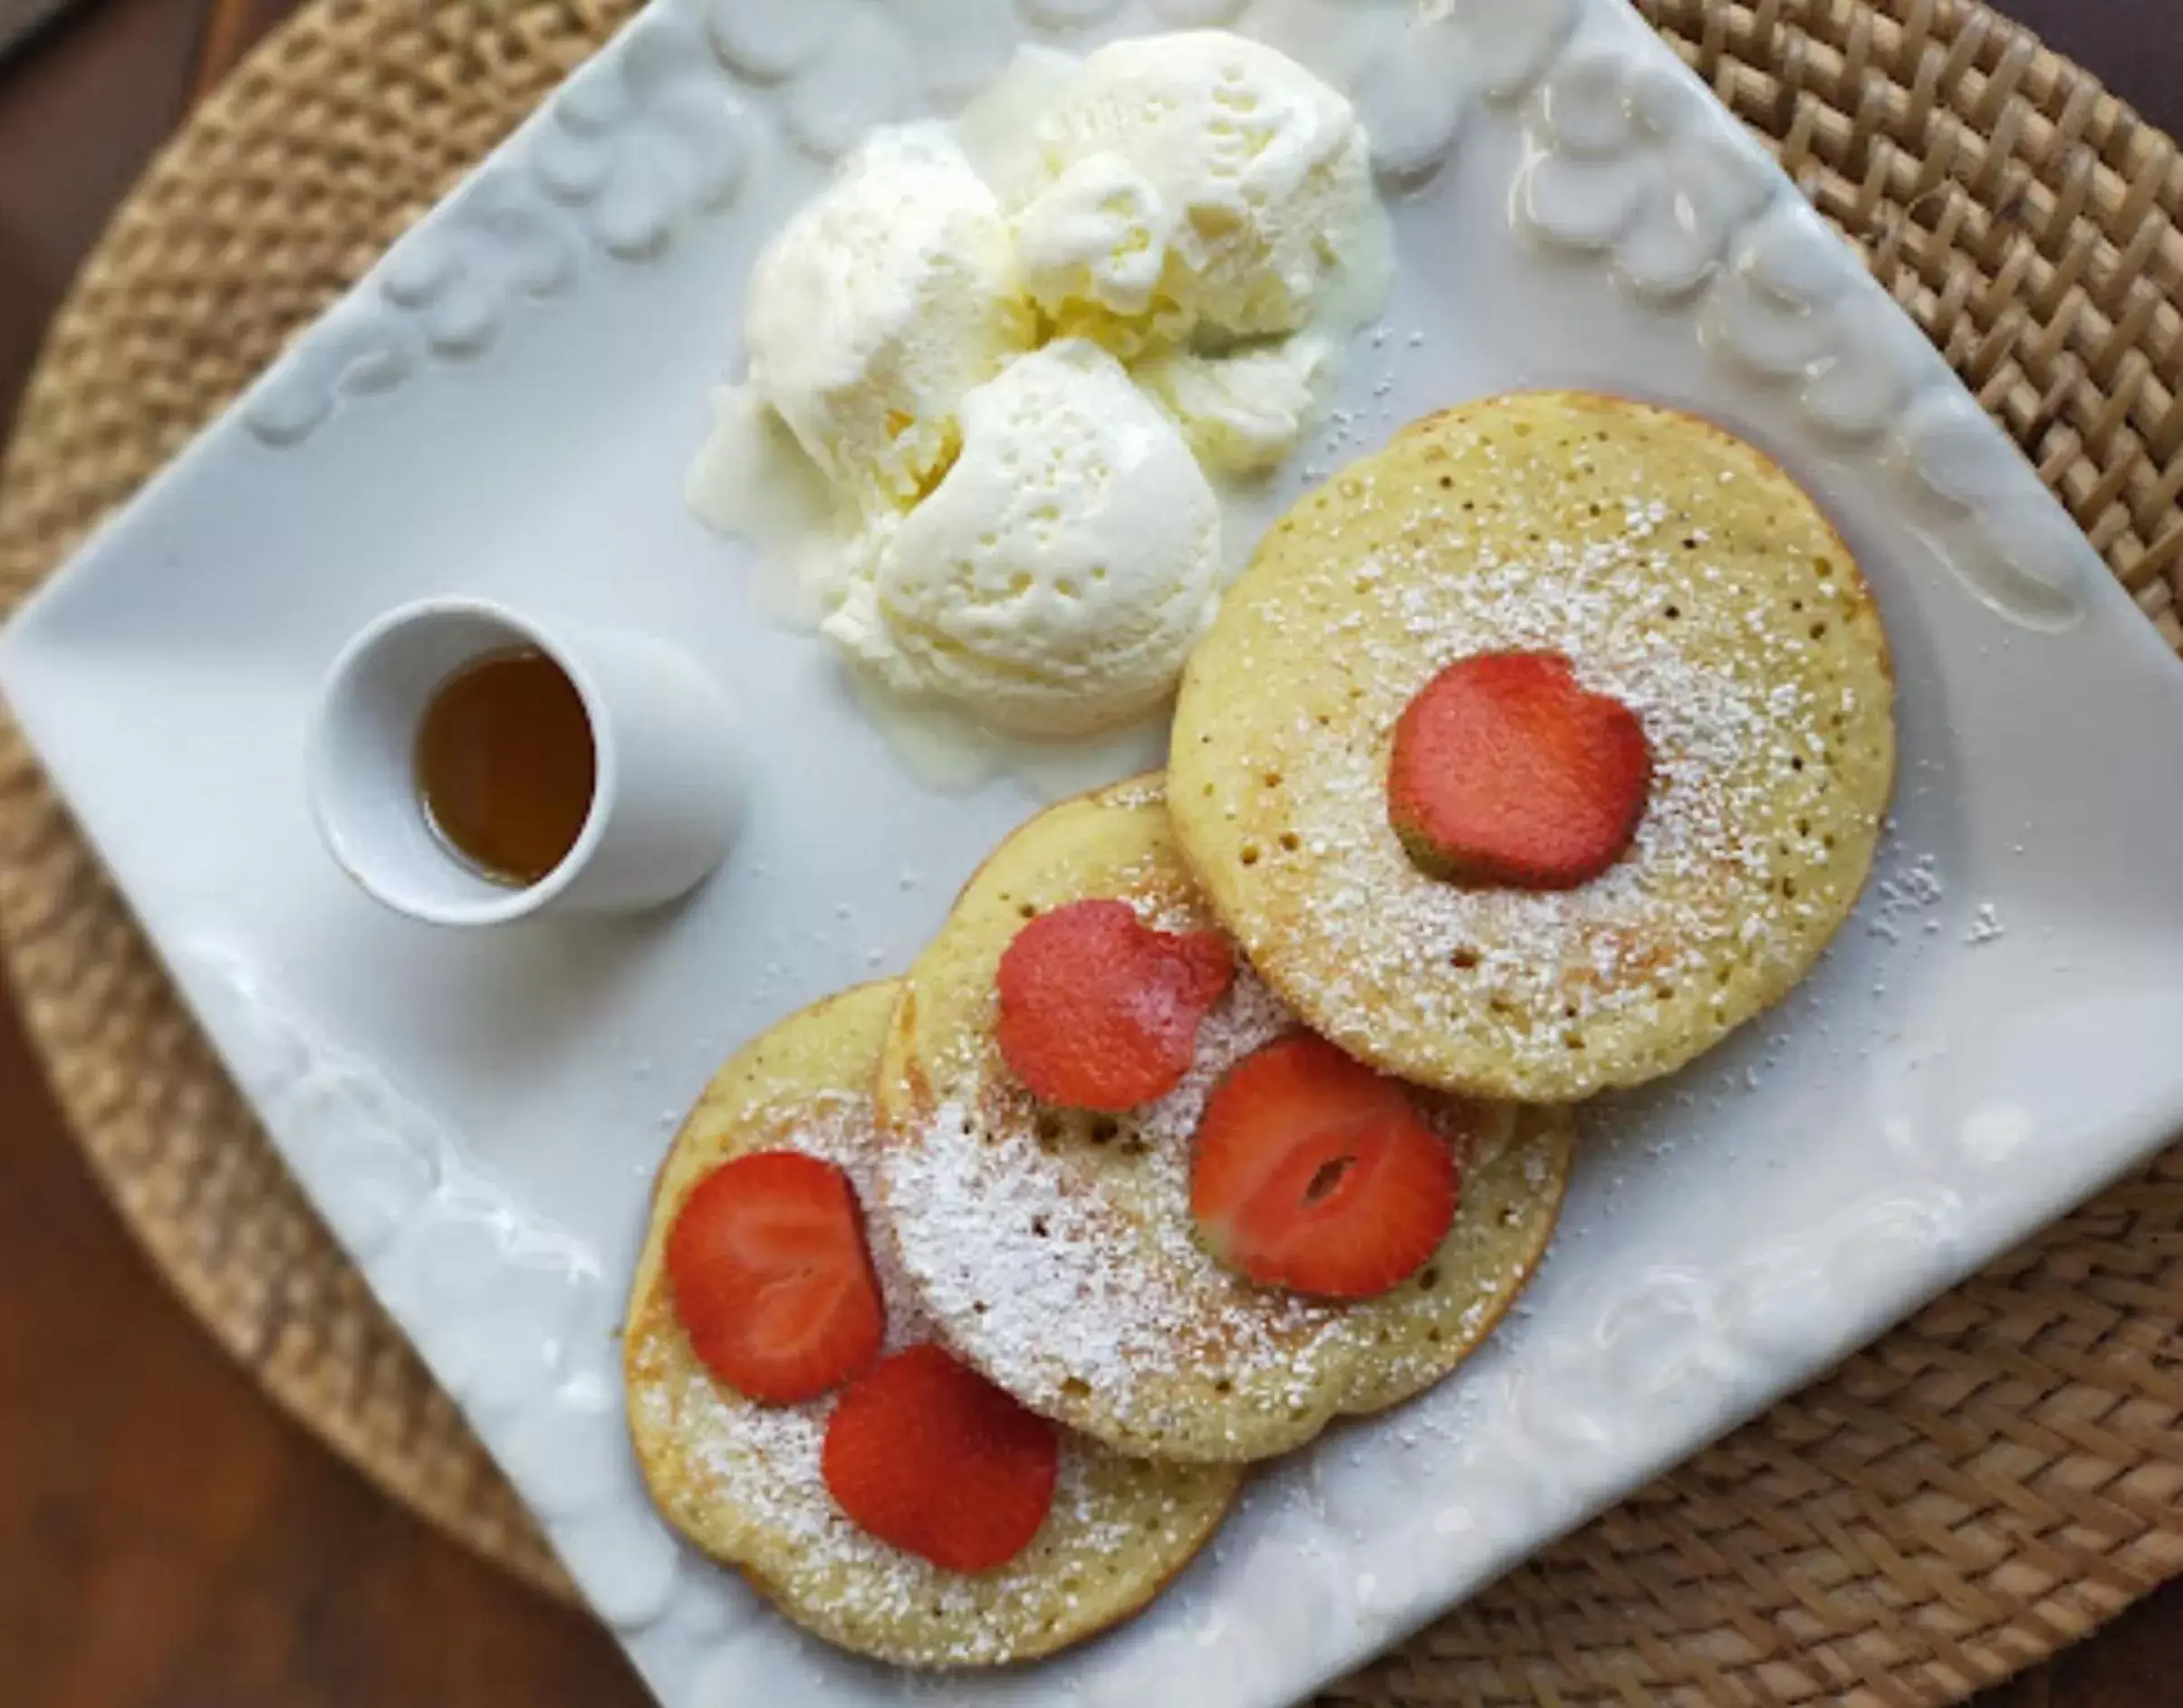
(506, 765)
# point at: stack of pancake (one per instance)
(1658, 577)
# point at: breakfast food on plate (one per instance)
(883, 300)
(1130, 1189)
(1015, 526)
(1203, 206)
(1243, 411)
(1536, 753)
(1530, 757)
(1506, 772)
(1098, 1011)
(1058, 573)
(1193, 187)
(795, 1417)
(1311, 1172)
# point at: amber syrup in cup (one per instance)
(506, 765)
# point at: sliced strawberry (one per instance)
(929, 1456)
(1101, 1011)
(772, 1278)
(1506, 771)
(1311, 1172)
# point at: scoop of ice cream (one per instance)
(1243, 412)
(886, 298)
(1054, 580)
(1196, 185)
(1096, 239)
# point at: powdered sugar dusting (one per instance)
(1917, 888)
(1248, 1019)
(1138, 791)
(764, 1463)
(1067, 1270)
(1608, 943)
(1743, 690)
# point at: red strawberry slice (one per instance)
(1101, 1011)
(931, 1457)
(1506, 771)
(772, 1278)
(1311, 1172)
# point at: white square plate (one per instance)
(505, 406)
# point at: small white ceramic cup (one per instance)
(668, 768)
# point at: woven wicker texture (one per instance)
(1983, 1485)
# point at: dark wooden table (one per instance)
(167, 1539)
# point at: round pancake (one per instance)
(743, 1482)
(1056, 1250)
(1681, 571)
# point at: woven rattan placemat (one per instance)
(1983, 1485)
